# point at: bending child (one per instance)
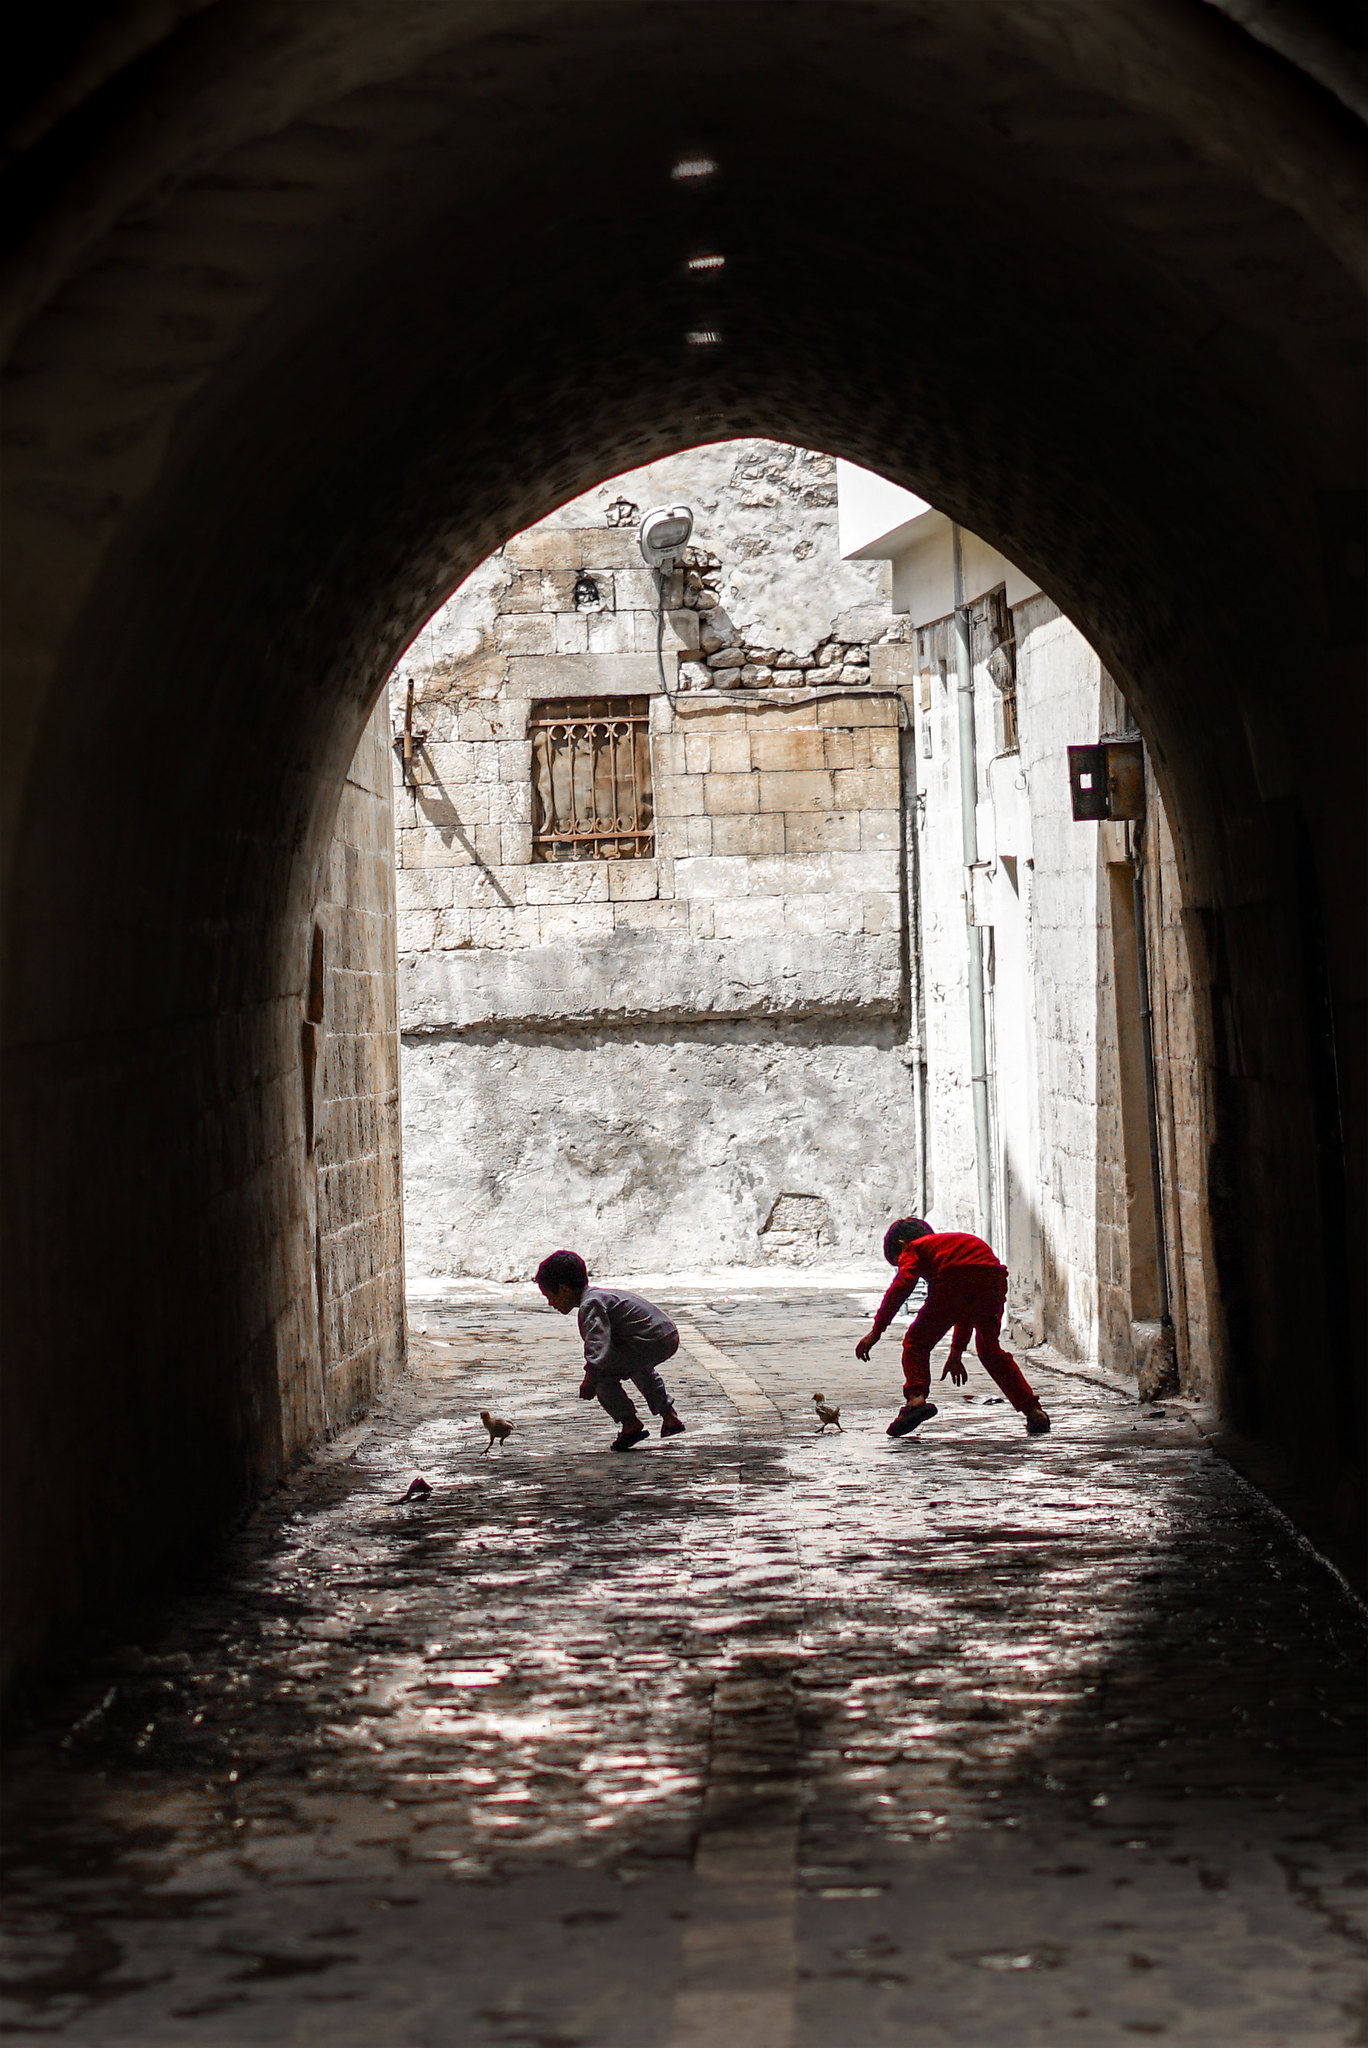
(966, 1285)
(625, 1337)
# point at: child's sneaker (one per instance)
(630, 1434)
(1037, 1421)
(670, 1424)
(909, 1418)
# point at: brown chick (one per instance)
(499, 1432)
(826, 1415)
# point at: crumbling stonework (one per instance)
(765, 543)
(727, 659)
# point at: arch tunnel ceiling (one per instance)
(317, 307)
(372, 301)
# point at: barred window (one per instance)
(591, 779)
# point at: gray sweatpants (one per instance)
(637, 1363)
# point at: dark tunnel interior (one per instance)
(310, 312)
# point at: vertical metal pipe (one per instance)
(659, 574)
(968, 767)
(1151, 1094)
(912, 942)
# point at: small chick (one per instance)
(499, 1432)
(418, 1490)
(826, 1415)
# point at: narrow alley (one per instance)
(760, 1737)
(682, 633)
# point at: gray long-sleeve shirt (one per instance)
(613, 1321)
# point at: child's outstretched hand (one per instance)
(586, 1391)
(956, 1370)
(863, 1349)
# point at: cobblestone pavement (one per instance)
(758, 1737)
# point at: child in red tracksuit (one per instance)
(966, 1285)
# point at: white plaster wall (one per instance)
(1008, 901)
(654, 1150)
(1059, 688)
(924, 573)
(871, 507)
(1042, 942)
(953, 1197)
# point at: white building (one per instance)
(1028, 918)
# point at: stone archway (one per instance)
(311, 313)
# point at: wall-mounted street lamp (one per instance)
(663, 533)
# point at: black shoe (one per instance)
(630, 1434)
(671, 1424)
(908, 1418)
(1037, 1421)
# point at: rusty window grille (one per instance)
(591, 779)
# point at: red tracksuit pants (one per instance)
(977, 1301)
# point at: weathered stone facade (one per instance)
(694, 1057)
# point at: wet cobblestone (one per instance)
(757, 1736)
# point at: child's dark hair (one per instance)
(901, 1234)
(562, 1269)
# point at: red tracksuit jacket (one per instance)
(946, 1259)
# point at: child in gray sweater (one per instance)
(625, 1337)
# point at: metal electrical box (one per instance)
(1108, 780)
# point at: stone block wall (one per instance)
(728, 994)
(1123, 1185)
(776, 818)
(1185, 1118)
(355, 1123)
